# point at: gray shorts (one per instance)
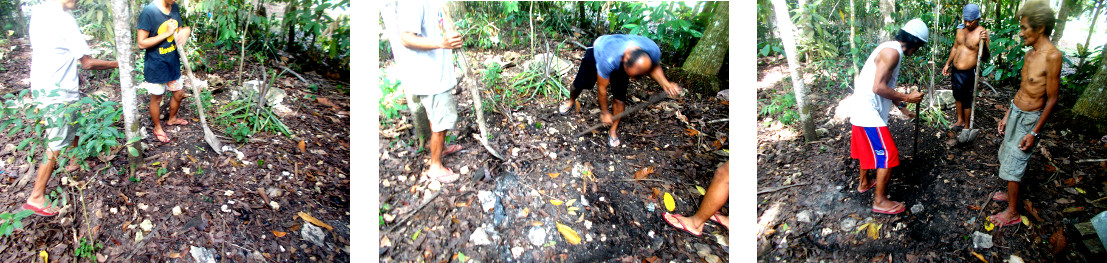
(1012, 160)
(441, 110)
(63, 132)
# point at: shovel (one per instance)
(209, 137)
(968, 135)
(653, 99)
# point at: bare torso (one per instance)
(1032, 91)
(966, 48)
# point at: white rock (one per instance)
(274, 205)
(465, 170)
(479, 238)
(228, 193)
(981, 240)
(537, 236)
(225, 209)
(915, 209)
(1015, 259)
(177, 210)
(203, 255)
(516, 252)
(146, 225)
(487, 200)
(313, 234)
(114, 210)
(804, 216)
(143, 206)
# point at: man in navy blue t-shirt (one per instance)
(159, 29)
(612, 61)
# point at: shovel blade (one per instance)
(968, 135)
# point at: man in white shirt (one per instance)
(57, 48)
(873, 97)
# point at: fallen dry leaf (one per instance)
(1057, 241)
(691, 132)
(279, 233)
(569, 234)
(302, 146)
(872, 229)
(979, 256)
(173, 255)
(555, 202)
(700, 189)
(642, 173)
(314, 221)
(554, 175)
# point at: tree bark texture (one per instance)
(784, 26)
(124, 53)
(1093, 103)
(707, 56)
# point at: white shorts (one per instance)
(159, 88)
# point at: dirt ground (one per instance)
(237, 208)
(809, 208)
(618, 218)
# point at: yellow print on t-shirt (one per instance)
(161, 29)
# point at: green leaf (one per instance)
(134, 152)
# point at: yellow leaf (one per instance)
(314, 221)
(1080, 190)
(44, 256)
(569, 234)
(988, 225)
(670, 204)
(574, 209)
(174, 255)
(702, 192)
(279, 233)
(872, 229)
(555, 202)
(570, 203)
(554, 175)
(1025, 221)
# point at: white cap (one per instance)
(917, 28)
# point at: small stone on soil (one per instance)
(274, 205)
(202, 255)
(981, 240)
(177, 210)
(516, 252)
(479, 238)
(537, 236)
(915, 209)
(804, 216)
(313, 234)
(849, 224)
(487, 200)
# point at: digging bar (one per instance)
(209, 137)
(653, 99)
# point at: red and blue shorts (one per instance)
(873, 146)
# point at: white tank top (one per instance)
(870, 109)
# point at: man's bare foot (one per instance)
(564, 107)
(176, 121)
(888, 207)
(689, 224)
(1005, 218)
(864, 186)
(721, 219)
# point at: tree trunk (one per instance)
(1062, 19)
(580, 16)
(707, 56)
(933, 75)
(1091, 31)
(852, 35)
(1093, 103)
(124, 52)
(784, 26)
(289, 25)
(887, 8)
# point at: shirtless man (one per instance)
(963, 57)
(1032, 105)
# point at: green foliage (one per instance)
(669, 23)
(240, 132)
(87, 249)
(95, 18)
(782, 107)
(525, 87)
(94, 118)
(9, 222)
(390, 104)
(245, 111)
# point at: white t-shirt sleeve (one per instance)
(410, 17)
(73, 41)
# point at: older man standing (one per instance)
(57, 48)
(963, 55)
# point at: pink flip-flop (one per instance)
(448, 177)
(452, 149)
(899, 208)
(666, 217)
(867, 189)
(39, 211)
(999, 197)
(715, 218)
(999, 222)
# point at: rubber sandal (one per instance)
(449, 177)
(867, 189)
(564, 109)
(666, 217)
(955, 127)
(715, 218)
(899, 208)
(613, 141)
(999, 197)
(1000, 223)
(161, 136)
(39, 211)
(180, 122)
(452, 149)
